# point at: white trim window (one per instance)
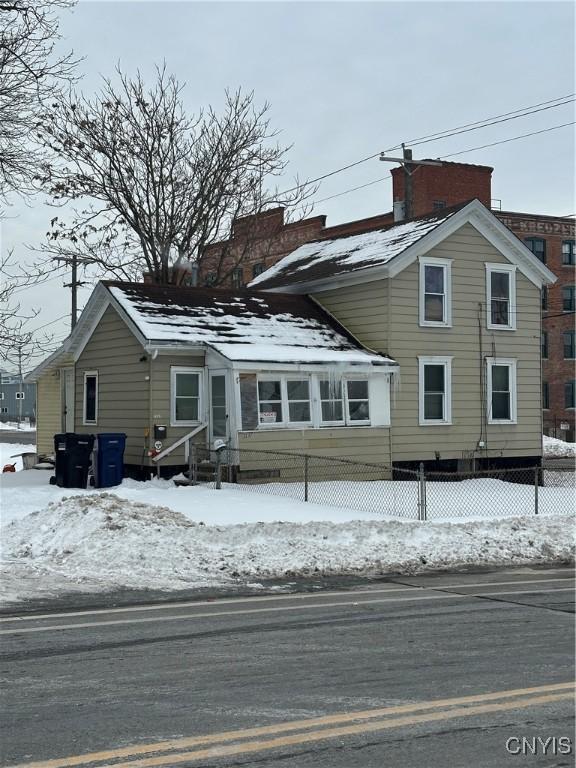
(435, 390)
(501, 297)
(357, 401)
(435, 292)
(90, 399)
(186, 399)
(20, 395)
(284, 400)
(501, 405)
(331, 402)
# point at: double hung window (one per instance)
(569, 340)
(435, 292)
(538, 247)
(435, 385)
(568, 253)
(331, 402)
(501, 391)
(568, 298)
(570, 394)
(186, 399)
(501, 296)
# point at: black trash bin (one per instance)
(73, 458)
(109, 459)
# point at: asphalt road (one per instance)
(418, 672)
(23, 437)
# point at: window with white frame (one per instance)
(3, 409)
(501, 404)
(90, 408)
(185, 395)
(435, 390)
(288, 400)
(1, 395)
(435, 292)
(331, 401)
(501, 296)
(20, 395)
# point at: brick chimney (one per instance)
(440, 186)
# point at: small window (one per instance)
(437, 205)
(90, 397)
(568, 299)
(501, 391)
(257, 269)
(3, 409)
(20, 395)
(1, 395)
(358, 401)
(270, 401)
(568, 253)
(435, 299)
(544, 297)
(331, 401)
(569, 394)
(569, 348)
(238, 278)
(545, 395)
(435, 390)
(298, 397)
(501, 297)
(186, 396)
(538, 247)
(544, 344)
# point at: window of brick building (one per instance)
(257, 269)
(545, 395)
(238, 278)
(545, 344)
(568, 298)
(569, 342)
(210, 278)
(544, 296)
(568, 252)
(569, 394)
(538, 247)
(437, 205)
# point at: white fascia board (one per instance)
(48, 364)
(215, 359)
(344, 368)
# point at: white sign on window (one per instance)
(564, 425)
(268, 417)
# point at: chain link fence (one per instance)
(400, 493)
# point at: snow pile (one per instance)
(100, 538)
(557, 449)
(13, 426)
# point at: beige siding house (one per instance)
(415, 343)
(458, 308)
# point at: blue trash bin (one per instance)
(109, 464)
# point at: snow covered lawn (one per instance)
(154, 535)
(9, 450)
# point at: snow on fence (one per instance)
(399, 493)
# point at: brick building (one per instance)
(259, 241)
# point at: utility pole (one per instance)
(74, 283)
(410, 166)
(21, 381)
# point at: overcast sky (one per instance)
(346, 80)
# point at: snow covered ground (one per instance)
(9, 450)
(558, 449)
(154, 535)
(12, 426)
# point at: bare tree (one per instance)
(152, 185)
(32, 74)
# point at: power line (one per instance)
(443, 157)
(485, 123)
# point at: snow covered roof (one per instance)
(241, 325)
(327, 258)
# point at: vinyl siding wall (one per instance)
(362, 444)
(49, 411)
(160, 403)
(391, 326)
(123, 391)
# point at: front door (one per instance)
(67, 390)
(218, 407)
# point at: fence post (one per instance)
(421, 492)
(218, 485)
(305, 478)
(536, 479)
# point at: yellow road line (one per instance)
(562, 689)
(307, 738)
